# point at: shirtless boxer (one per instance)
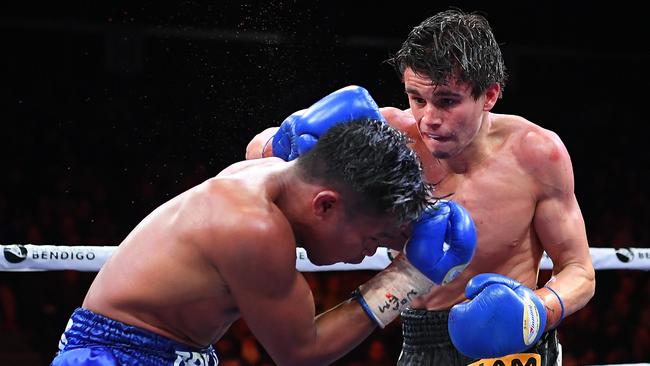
(226, 248)
(516, 180)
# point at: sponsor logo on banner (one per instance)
(56, 254)
(643, 253)
(15, 253)
(625, 255)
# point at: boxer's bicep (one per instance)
(561, 229)
(558, 220)
(281, 316)
(272, 297)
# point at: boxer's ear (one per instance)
(491, 96)
(326, 204)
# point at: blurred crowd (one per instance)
(82, 210)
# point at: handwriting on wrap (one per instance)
(394, 303)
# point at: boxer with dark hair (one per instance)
(226, 249)
(516, 180)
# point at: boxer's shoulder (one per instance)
(232, 219)
(543, 155)
(538, 151)
(257, 249)
(527, 140)
(246, 165)
(221, 211)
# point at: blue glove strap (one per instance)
(561, 306)
(364, 305)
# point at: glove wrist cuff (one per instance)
(389, 292)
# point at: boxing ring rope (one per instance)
(30, 257)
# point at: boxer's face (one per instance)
(448, 116)
(350, 240)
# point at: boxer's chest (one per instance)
(501, 200)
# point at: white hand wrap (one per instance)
(389, 292)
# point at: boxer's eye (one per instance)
(418, 101)
(446, 102)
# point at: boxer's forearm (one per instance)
(575, 285)
(260, 146)
(380, 300)
(340, 330)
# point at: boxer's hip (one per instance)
(91, 337)
(427, 341)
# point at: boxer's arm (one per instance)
(404, 121)
(260, 145)
(397, 118)
(560, 227)
(276, 302)
(277, 305)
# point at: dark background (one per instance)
(110, 109)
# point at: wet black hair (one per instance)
(453, 45)
(370, 163)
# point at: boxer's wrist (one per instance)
(389, 292)
(554, 307)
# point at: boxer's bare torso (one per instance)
(516, 180)
(501, 192)
(227, 249)
(164, 276)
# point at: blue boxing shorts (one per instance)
(91, 339)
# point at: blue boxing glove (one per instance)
(299, 132)
(425, 263)
(502, 317)
(285, 144)
(446, 222)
